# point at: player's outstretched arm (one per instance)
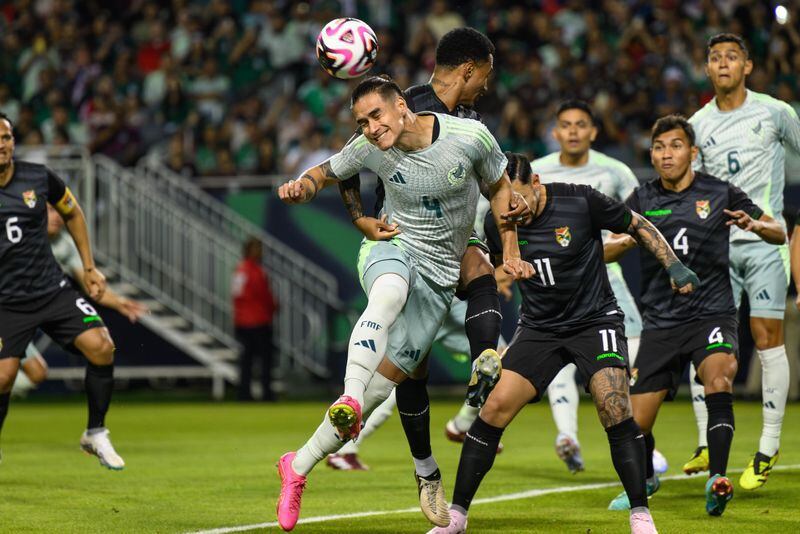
(683, 279)
(130, 308)
(372, 228)
(500, 199)
(306, 187)
(794, 250)
(765, 227)
(93, 280)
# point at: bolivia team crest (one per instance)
(563, 236)
(703, 208)
(30, 198)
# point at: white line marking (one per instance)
(486, 500)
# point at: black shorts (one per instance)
(475, 241)
(664, 353)
(63, 317)
(539, 355)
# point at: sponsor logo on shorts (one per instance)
(29, 197)
(607, 355)
(413, 354)
(703, 208)
(634, 376)
(456, 175)
(762, 295)
(563, 236)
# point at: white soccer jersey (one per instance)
(608, 175)
(66, 253)
(746, 146)
(432, 193)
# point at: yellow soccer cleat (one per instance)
(757, 471)
(698, 462)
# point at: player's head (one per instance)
(6, 140)
(380, 110)
(575, 127)
(54, 222)
(727, 62)
(469, 54)
(252, 248)
(672, 147)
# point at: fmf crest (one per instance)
(703, 208)
(563, 236)
(456, 175)
(29, 197)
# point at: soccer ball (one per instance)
(346, 48)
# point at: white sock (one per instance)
(465, 417)
(376, 419)
(633, 349)
(371, 333)
(325, 440)
(425, 467)
(563, 396)
(699, 407)
(774, 390)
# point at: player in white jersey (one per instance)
(33, 365)
(576, 163)
(742, 137)
(430, 165)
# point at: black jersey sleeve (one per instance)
(56, 188)
(738, 200)
(633, 201)
(607, 213)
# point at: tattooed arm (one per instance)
(350, 190)
(306, 187)
(647, 236)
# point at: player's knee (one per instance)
(474, 264)
(497, 410)
(719, 384)
(36, 373)
(101, 351)
(389, 298)
(6, 382)
(767, 333)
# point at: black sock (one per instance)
(477, 457)
(650, 446)
(4, 399)
(720, 431)
(99, 384)
(483, 319)
(414, 408)
(628, 452)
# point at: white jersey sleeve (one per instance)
(789, 126)
(356, 155)
(490, 162)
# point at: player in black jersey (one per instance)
(464, 62)
(34, 292)
(694, 212)
(568, 315)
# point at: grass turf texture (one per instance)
(195, 466)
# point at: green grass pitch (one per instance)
(199, 466)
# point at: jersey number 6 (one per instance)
(13, 231)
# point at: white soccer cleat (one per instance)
(432, 500)
(660, 464)
(100, 445)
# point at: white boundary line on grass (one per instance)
(485, 500)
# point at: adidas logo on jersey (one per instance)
(367, 343)
(762, 295)
(397, 178)
(710, 142)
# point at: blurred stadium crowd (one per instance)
(222, 87)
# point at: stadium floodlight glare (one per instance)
(781, 14)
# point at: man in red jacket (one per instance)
(253, 307)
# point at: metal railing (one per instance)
(180, 245)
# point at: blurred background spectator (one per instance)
(216, 87)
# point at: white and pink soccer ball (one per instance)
(347, 48)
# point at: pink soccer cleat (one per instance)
(642, 523)
(458, 524)
(292, 486)
(345, 416)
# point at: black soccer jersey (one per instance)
(423, 98)
(565, 247)
(28, 270)
(693, 223)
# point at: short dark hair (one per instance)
(518, 167)
(248, 245)
(4, 117)
(672, 122)
(458, 46)
(727, 38)
(575, 103)
(384, 86)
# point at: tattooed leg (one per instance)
(609, 389)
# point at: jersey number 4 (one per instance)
(433, 205)
(13, 232)
(681, 242)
